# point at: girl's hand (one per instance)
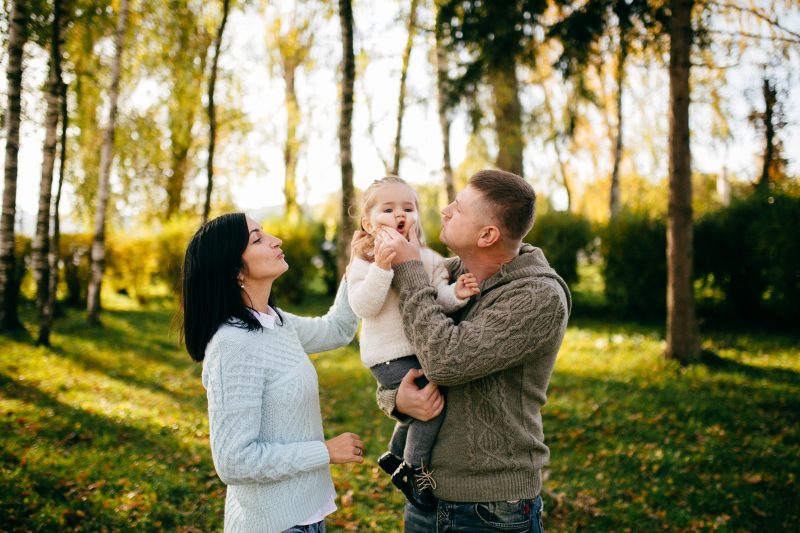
(383, 254)
(346, 448)
(466, 286)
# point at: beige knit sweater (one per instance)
(495, 356)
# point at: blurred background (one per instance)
(662, 139)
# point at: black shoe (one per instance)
(417, 485)
(389, 462)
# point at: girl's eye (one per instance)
(409, 209)
(387, 210)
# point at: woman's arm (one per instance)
(336, 328)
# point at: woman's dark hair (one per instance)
(210, 293)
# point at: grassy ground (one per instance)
(107, 430)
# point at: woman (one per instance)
(263, 400)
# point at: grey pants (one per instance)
(413, 440)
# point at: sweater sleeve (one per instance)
(521, 323)
(445, 291)
(336, 328)
(235, 385)
(367, 287)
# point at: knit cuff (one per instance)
(409, 275)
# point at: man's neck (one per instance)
(485, 263)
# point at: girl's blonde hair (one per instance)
(368, 199)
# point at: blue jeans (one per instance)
(482, 517)
(319, 527)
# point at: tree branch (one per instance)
(758, 14)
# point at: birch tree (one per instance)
(106, 157)
(17, 36)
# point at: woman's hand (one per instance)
(358, 240)
(346, 448)
(466, 286)
(420, 404)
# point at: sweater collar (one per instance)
(267, 319)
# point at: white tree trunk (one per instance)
(106, 157)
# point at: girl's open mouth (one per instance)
(401, 225)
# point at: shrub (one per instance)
(561, 236)
(751, 253)
(75, 261)
(303, 245)
(635, 270)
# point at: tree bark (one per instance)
(562, 166)
(614, 203)
(401, 104)
(346, 224)
(770, 100)
(683, 342)
(291, 145)
(444, 120)
(9, 289)
(41, 241)
(49, 311)
(212, 111)
(106, 156)
(508, 115)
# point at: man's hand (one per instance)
(405, 249)
(466, 286)
(420, 404)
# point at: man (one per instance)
(495, 357)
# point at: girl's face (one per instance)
(395, 207)
(263, 258)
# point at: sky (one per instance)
(252, 167)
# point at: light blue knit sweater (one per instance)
(264, 417)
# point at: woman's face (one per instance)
(263, 258)
(395, 207)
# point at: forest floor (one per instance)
(107, 430)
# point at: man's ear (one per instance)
(487, 236)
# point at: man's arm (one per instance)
(408, 400)
(520, 324)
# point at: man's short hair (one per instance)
(511, 198)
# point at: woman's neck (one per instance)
(256, 295)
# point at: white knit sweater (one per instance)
(264, 417)
(374, 300)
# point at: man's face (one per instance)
(463, 219)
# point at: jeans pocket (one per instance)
(505, 516)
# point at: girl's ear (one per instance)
(365, 225)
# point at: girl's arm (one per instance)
(367, 287)
(445, 291)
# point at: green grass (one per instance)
(107, 430)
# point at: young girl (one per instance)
(385, 350)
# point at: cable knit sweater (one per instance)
(372, 298)
(495, 356)
(264, 417)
